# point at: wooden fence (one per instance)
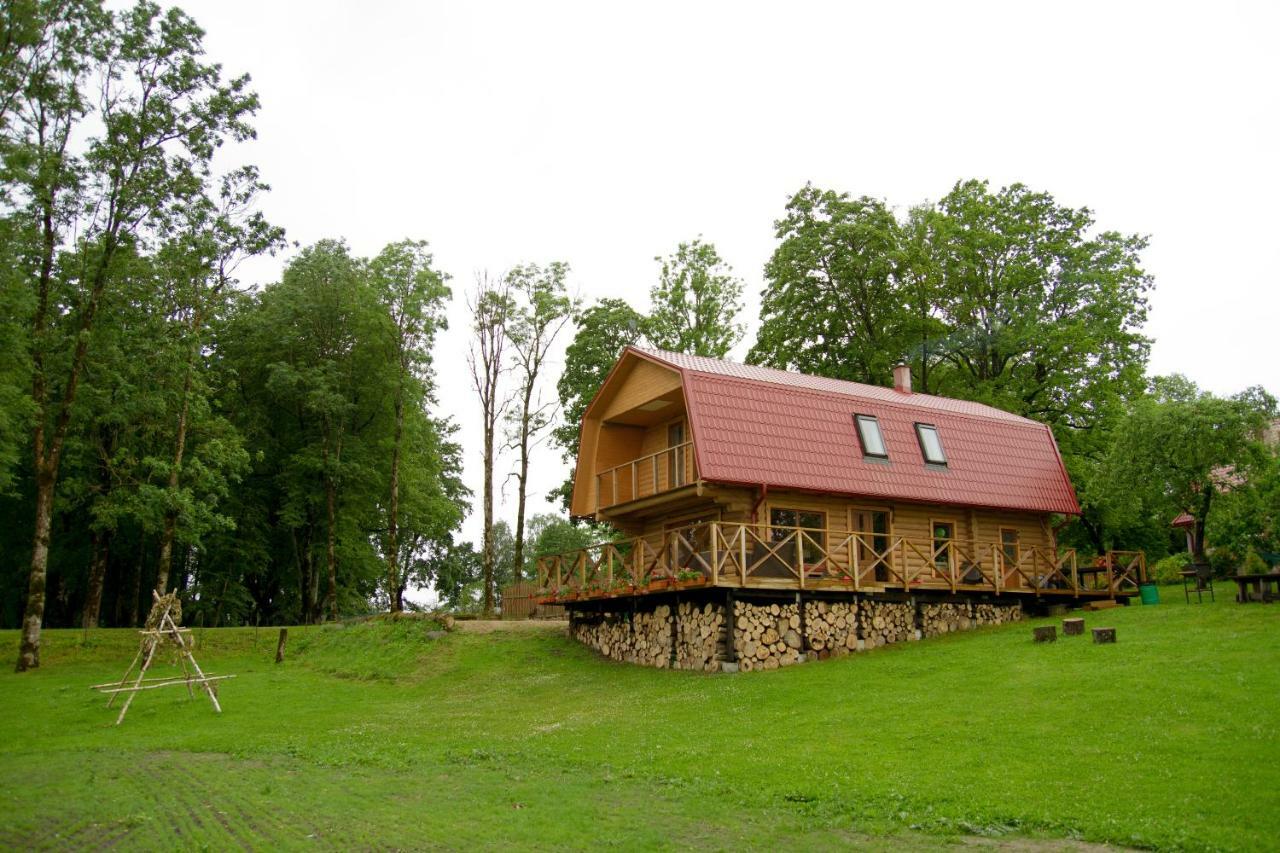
(520, 601)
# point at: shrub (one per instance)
(1253, 564)
(1166, 570)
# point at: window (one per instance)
(676, 456)
(943, 533)
(872, 528)
(782, 522)
(1009, 547)
(869, 435)
(931, 444)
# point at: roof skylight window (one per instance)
(931, 444)
(869, 436)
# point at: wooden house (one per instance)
(734, 486)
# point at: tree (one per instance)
(553, 534)
(490, 306)
(1179, 448)
(834, 303)
(543, 310)
(696, 302)
(83, 192)
(603, 330)
(414, 295)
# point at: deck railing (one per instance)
(759, 555)
(648, 475)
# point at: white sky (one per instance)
(602, 134)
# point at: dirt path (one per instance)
(489, 626)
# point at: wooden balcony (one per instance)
(722, 554)
(649, 475)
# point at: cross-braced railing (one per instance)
(771, 556)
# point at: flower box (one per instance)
(657, 584)
(692, 582)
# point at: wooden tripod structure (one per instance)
(162, 629)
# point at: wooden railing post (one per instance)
(1075, 576)
(852, 563)
(715, 553)
(609, 565)
(1111, 578)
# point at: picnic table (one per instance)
(1265, 587)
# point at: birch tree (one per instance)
(541, 314)
(490, 306)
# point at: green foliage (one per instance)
(832, 304)
(1178, 449)
(694, 307)
(1165, 570)
(523, 723)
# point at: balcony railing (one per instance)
(649, 475)
(761, 556)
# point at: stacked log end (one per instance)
(701, 633)
(945, 618)
(997, 614)
(885, 622)
(645, 640)
(831, 628)
(773, 635)
(766, 636)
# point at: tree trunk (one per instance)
(171, 514)
(488, 516)
(1202, 517)
(135, 590)
(522, 480)
(330, 547)
(395, 589)
(97, 575)
(33, 615)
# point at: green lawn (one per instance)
(373, 735)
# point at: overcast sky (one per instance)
(603, 134)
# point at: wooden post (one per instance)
(852, 562)
(284, 636)
(614, 477)
(1046, 634)
(635, 481)
(1111, 584)
(742, 545)
(609, 565)
(715, 553)
(800, 554)
(1072, 627)
(1075, 577)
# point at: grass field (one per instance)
(373, 735)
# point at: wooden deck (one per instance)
(757, 556)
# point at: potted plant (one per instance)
(659, 582)
(690, 577)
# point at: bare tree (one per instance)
(544, 310)
(490, 305)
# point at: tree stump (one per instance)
(284, 637)
(1046, 634)
(1072, 627)
(1104, 635)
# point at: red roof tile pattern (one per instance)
(754, 425)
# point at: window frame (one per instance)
(934, 523)
(858, 419)
(817, 533)
(924, 450)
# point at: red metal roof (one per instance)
(756, 425)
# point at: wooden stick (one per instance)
(176, 680)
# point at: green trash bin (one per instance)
(1150, 593)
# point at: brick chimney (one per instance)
(902, 378)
